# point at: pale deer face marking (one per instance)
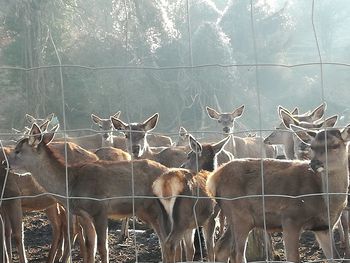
(203, 156)
(26, 154)
(105, 125)
(135, 133)
(225, 120)
(328, 146)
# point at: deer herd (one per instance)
(243, 184)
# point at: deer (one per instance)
(240, 147)
(137, 143)
(253, 147)
(282, 136)
(177, 182)
(96, 180)
(296, 194)
(301, 150)
(154, 140)
(26, 186)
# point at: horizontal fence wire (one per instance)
(265, 197)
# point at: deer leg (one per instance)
(223, 246)
(101, 226)
(240, 236)
(54, 217)
(344, 219)
(327, 244)
(15, 227)
(87, 237)
(209, 232)
(124, 233)
(189, 244)
(3, 249)
(8, 236)
(291, 234)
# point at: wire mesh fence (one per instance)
(175, 59)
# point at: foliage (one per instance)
(111, 35)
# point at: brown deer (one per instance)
(253, 147)
(100, 189)
(282, 136)
(154, 140)
(25, 186)
(301, 150)
(223, 156)
(295, 192)
(174, 186)
(238, 146)
(138, 147)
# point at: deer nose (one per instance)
(316, 164)
(226, 129)
(105, 136)
(135, 150)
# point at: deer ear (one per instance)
(238, 112)
(44, 125)
(318, 112)
(195, 145)
(295, 111)
(48, 137)
(119, 125)
(287, 119)
(30, 118)
(345, 133)
(303, 134)
(35, 135)
(213, 114)
(329, 122)
(117, 115)
(49, 117)
(217, 147)
(279, 108)
(182, 132)
(95, 118)
(151, 122)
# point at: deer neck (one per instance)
(336, 180)
(289, 147)
(232, 145)
(51, 173)
(147, 152)
(107, 142)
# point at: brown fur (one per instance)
(240, 179)
(100, 179)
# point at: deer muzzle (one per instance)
(136, 150)
(316, 165)
(226, 129)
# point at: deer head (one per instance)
(135, 133)
(27, 151)
(203, 157)
(106, 126)
(226, 119)
(329, 146)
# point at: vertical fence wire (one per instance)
(257, 89)
(65, 147)
(325, 173)
(257, 66)
(188, 17)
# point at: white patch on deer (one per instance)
(160, 187)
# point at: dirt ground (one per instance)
(38, 235)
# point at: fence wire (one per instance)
(256, 66)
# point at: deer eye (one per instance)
(219, 121)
